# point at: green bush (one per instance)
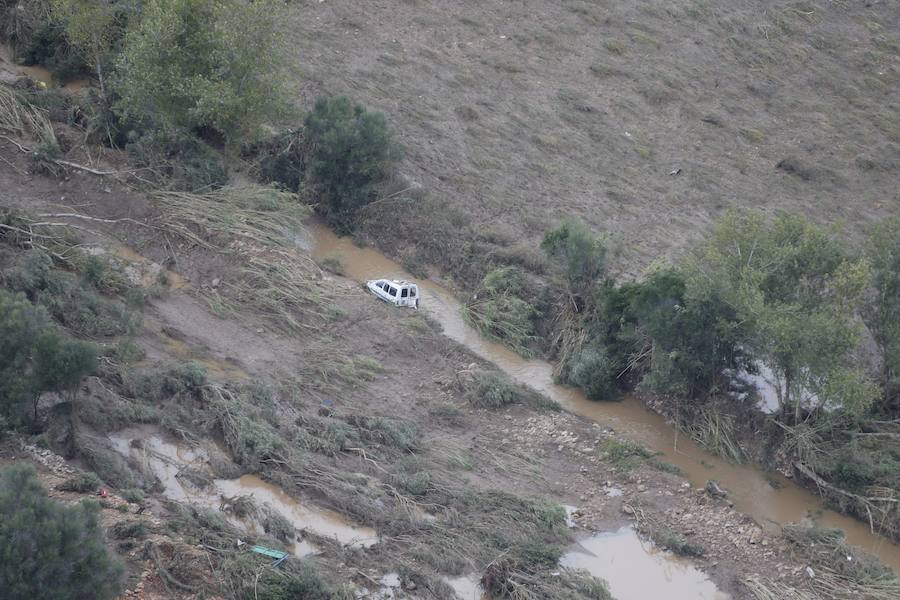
(67, 300)
(50, 550)
(625, 455)
(128, 529)
(351, 153)
(675, 542)
(492, 390)
(593, 371)
(853, 467)
(36, 358)
(579, 253)
(133, 495)
(882, 308)
(85, 483)
(59, 364)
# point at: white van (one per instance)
(398, 293)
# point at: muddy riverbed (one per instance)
(771, 499)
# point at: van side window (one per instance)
(391, 290)
(412, 291)
(404, 293)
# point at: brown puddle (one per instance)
(636, 570)
(168, 461)
(750, 488)
(37, 73)
(320, 521)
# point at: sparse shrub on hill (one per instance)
(67, 300)
(50, 550)
(351, 152)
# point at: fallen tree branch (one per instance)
(66, 163)
(87, 218)
(16, 144)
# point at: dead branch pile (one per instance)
(21, 119)
(258, 226)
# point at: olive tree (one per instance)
(796, 291)
(49, 550)
(194, 64)
(91, 28)
(882, 310)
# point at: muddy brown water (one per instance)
(750, 488)
(37, 73)
(167, 459)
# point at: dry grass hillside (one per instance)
(521, 113)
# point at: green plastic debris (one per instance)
(276, 554)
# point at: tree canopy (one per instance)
(196, 64)
(795, 289)
(49, 550)
(352, 150)
(35, 358)
(882, 306)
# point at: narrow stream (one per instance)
(750, 488)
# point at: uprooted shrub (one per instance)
(500, 312)
(842, 571)
(188, 163)
(493, 390)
